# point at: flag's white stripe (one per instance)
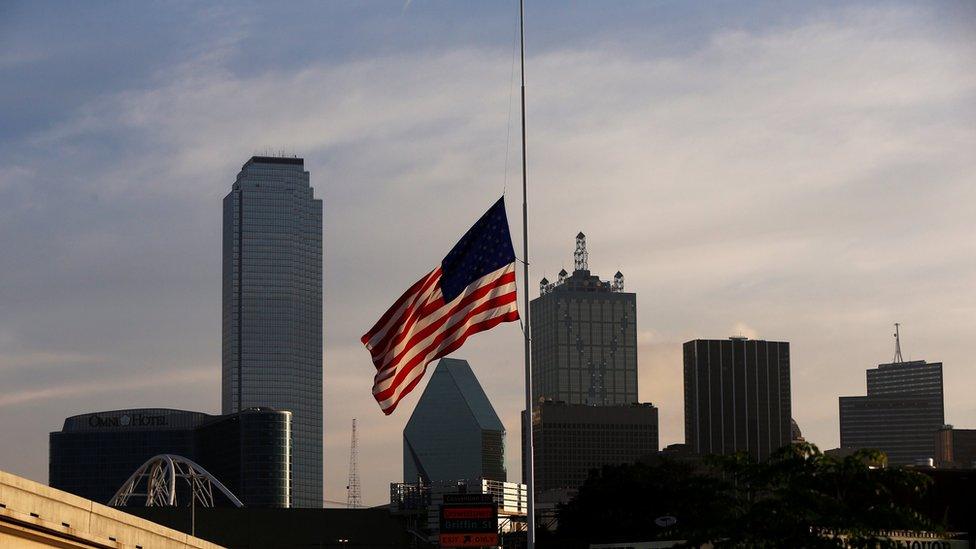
(383, 360)
(422, 297)
(411, 349)
(383, 380)
(419, 369)
(405, 350)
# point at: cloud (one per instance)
(805, 182)
(101, 386)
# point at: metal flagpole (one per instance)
(529, 463)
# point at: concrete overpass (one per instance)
(34, 515)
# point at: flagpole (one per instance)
(529, 463)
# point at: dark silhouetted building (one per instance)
(94, 454)
(571, 439)
(737, 396)
(454, 433)
(955, 448)
(584, 338)
(900, 414)
(272, 307)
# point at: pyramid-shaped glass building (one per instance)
(454, 432)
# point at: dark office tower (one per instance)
(901, 413)
(571, 439)
(737, 396)
(454, 433)
(272, 307)
(584, 338)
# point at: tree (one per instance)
(799, 497)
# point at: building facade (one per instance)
(584, 338)
(249, 452)
(737, 396)
(900, 414)
(453, 433)
(272, 307)
(571, 439)
(955, 448)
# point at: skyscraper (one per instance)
(737, 396)
(900, 414)
(584, 338)
(272, 307)
(454, 433)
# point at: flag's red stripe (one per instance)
(415, 303)
(389, 312)
(408, 317)
(487, 324)
(384, 320)
(386, 362)
(403, 370)
(412, 363)
(390, 368)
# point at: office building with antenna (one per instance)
(584, 337)
(585, 412)
(901, 413)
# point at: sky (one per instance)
(794, 171)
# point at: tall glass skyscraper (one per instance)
(272, 307)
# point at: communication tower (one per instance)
(353, 491)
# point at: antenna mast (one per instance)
(353, 492)
(898, 359)
(580, 257)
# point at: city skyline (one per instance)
(702, 152)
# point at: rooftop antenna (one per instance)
(898, 359)
(354, 497)
(580, 257)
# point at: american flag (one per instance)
(472, 290)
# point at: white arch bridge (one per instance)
(156, 481)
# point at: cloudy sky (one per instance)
(781, 170)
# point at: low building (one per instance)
(249, 451)
(571, 439)
(955, 448)
(422, 502)
(33, 515)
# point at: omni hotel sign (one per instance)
(127, 420)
